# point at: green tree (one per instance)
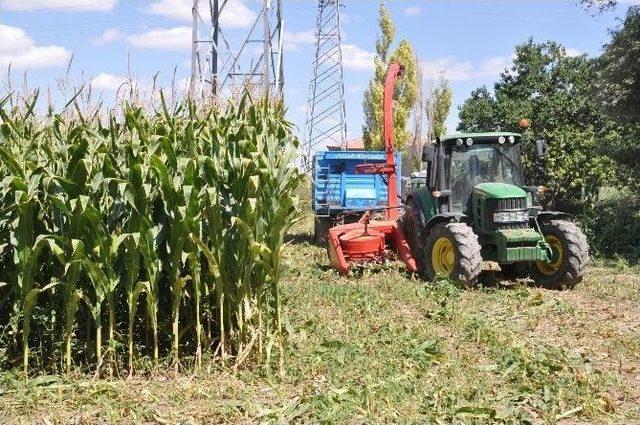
(438, 107)
(619, 67)
(406, 90)
(556, 93)
(600, 5)
(619, 95)
(479, 112)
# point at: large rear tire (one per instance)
(453, 250)
(414, 232)
(570, 256)
(321, 226)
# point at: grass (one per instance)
(383, 346)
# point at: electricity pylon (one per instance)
(326, 113)
(220, 63)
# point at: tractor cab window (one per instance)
(482, 163)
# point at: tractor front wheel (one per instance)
(452, 250)
(569, 256)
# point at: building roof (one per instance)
(352, 145)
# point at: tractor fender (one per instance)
(551, 215)
(425, 203)
(443, 218)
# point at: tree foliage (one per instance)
(438, 107)
(619, 95)
(479, 112)
(556, 92)
(599, 5)
(406, 90)
(619, 67)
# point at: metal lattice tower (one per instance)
(326, 116)
(221, 62)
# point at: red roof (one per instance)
(352, 145)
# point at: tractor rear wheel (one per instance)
(452, 250)
(414, 232)
(321, 226)
(569, 259)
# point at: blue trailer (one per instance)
(340, 194)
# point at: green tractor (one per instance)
(475, 213)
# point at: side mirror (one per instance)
(541, 148)
(428, 153)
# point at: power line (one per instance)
(76, 23)
(72, 6)
(47, 36)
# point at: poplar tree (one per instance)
(438, 107)
(406, 90)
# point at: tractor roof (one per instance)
(480, 137)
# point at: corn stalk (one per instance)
(166, 205)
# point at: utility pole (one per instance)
(326, 115)
(194, 48)
(235, 62)
(214, 11)
(266, 54)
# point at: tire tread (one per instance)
(577, 256)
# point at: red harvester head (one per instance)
(370, 240)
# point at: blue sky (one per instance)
(471, 40)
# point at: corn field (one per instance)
(132, 236)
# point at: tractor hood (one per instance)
(499, 191)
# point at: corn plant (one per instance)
(181, 208)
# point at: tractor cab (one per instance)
(459, 163)
(469, 163)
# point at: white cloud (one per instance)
(107, 82)
(355, 89)
(356, 59)
(348, 18)
(109, 36)
(112, 84)
(464, 71)
(21, 51)
(235, 14)
(65, 5)
(413, 10)
(183, 84)
(178, 38)
(294, 40)
(175, 9)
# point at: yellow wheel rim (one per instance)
(550, 268)
(443, 256)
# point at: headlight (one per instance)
(511, 216)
